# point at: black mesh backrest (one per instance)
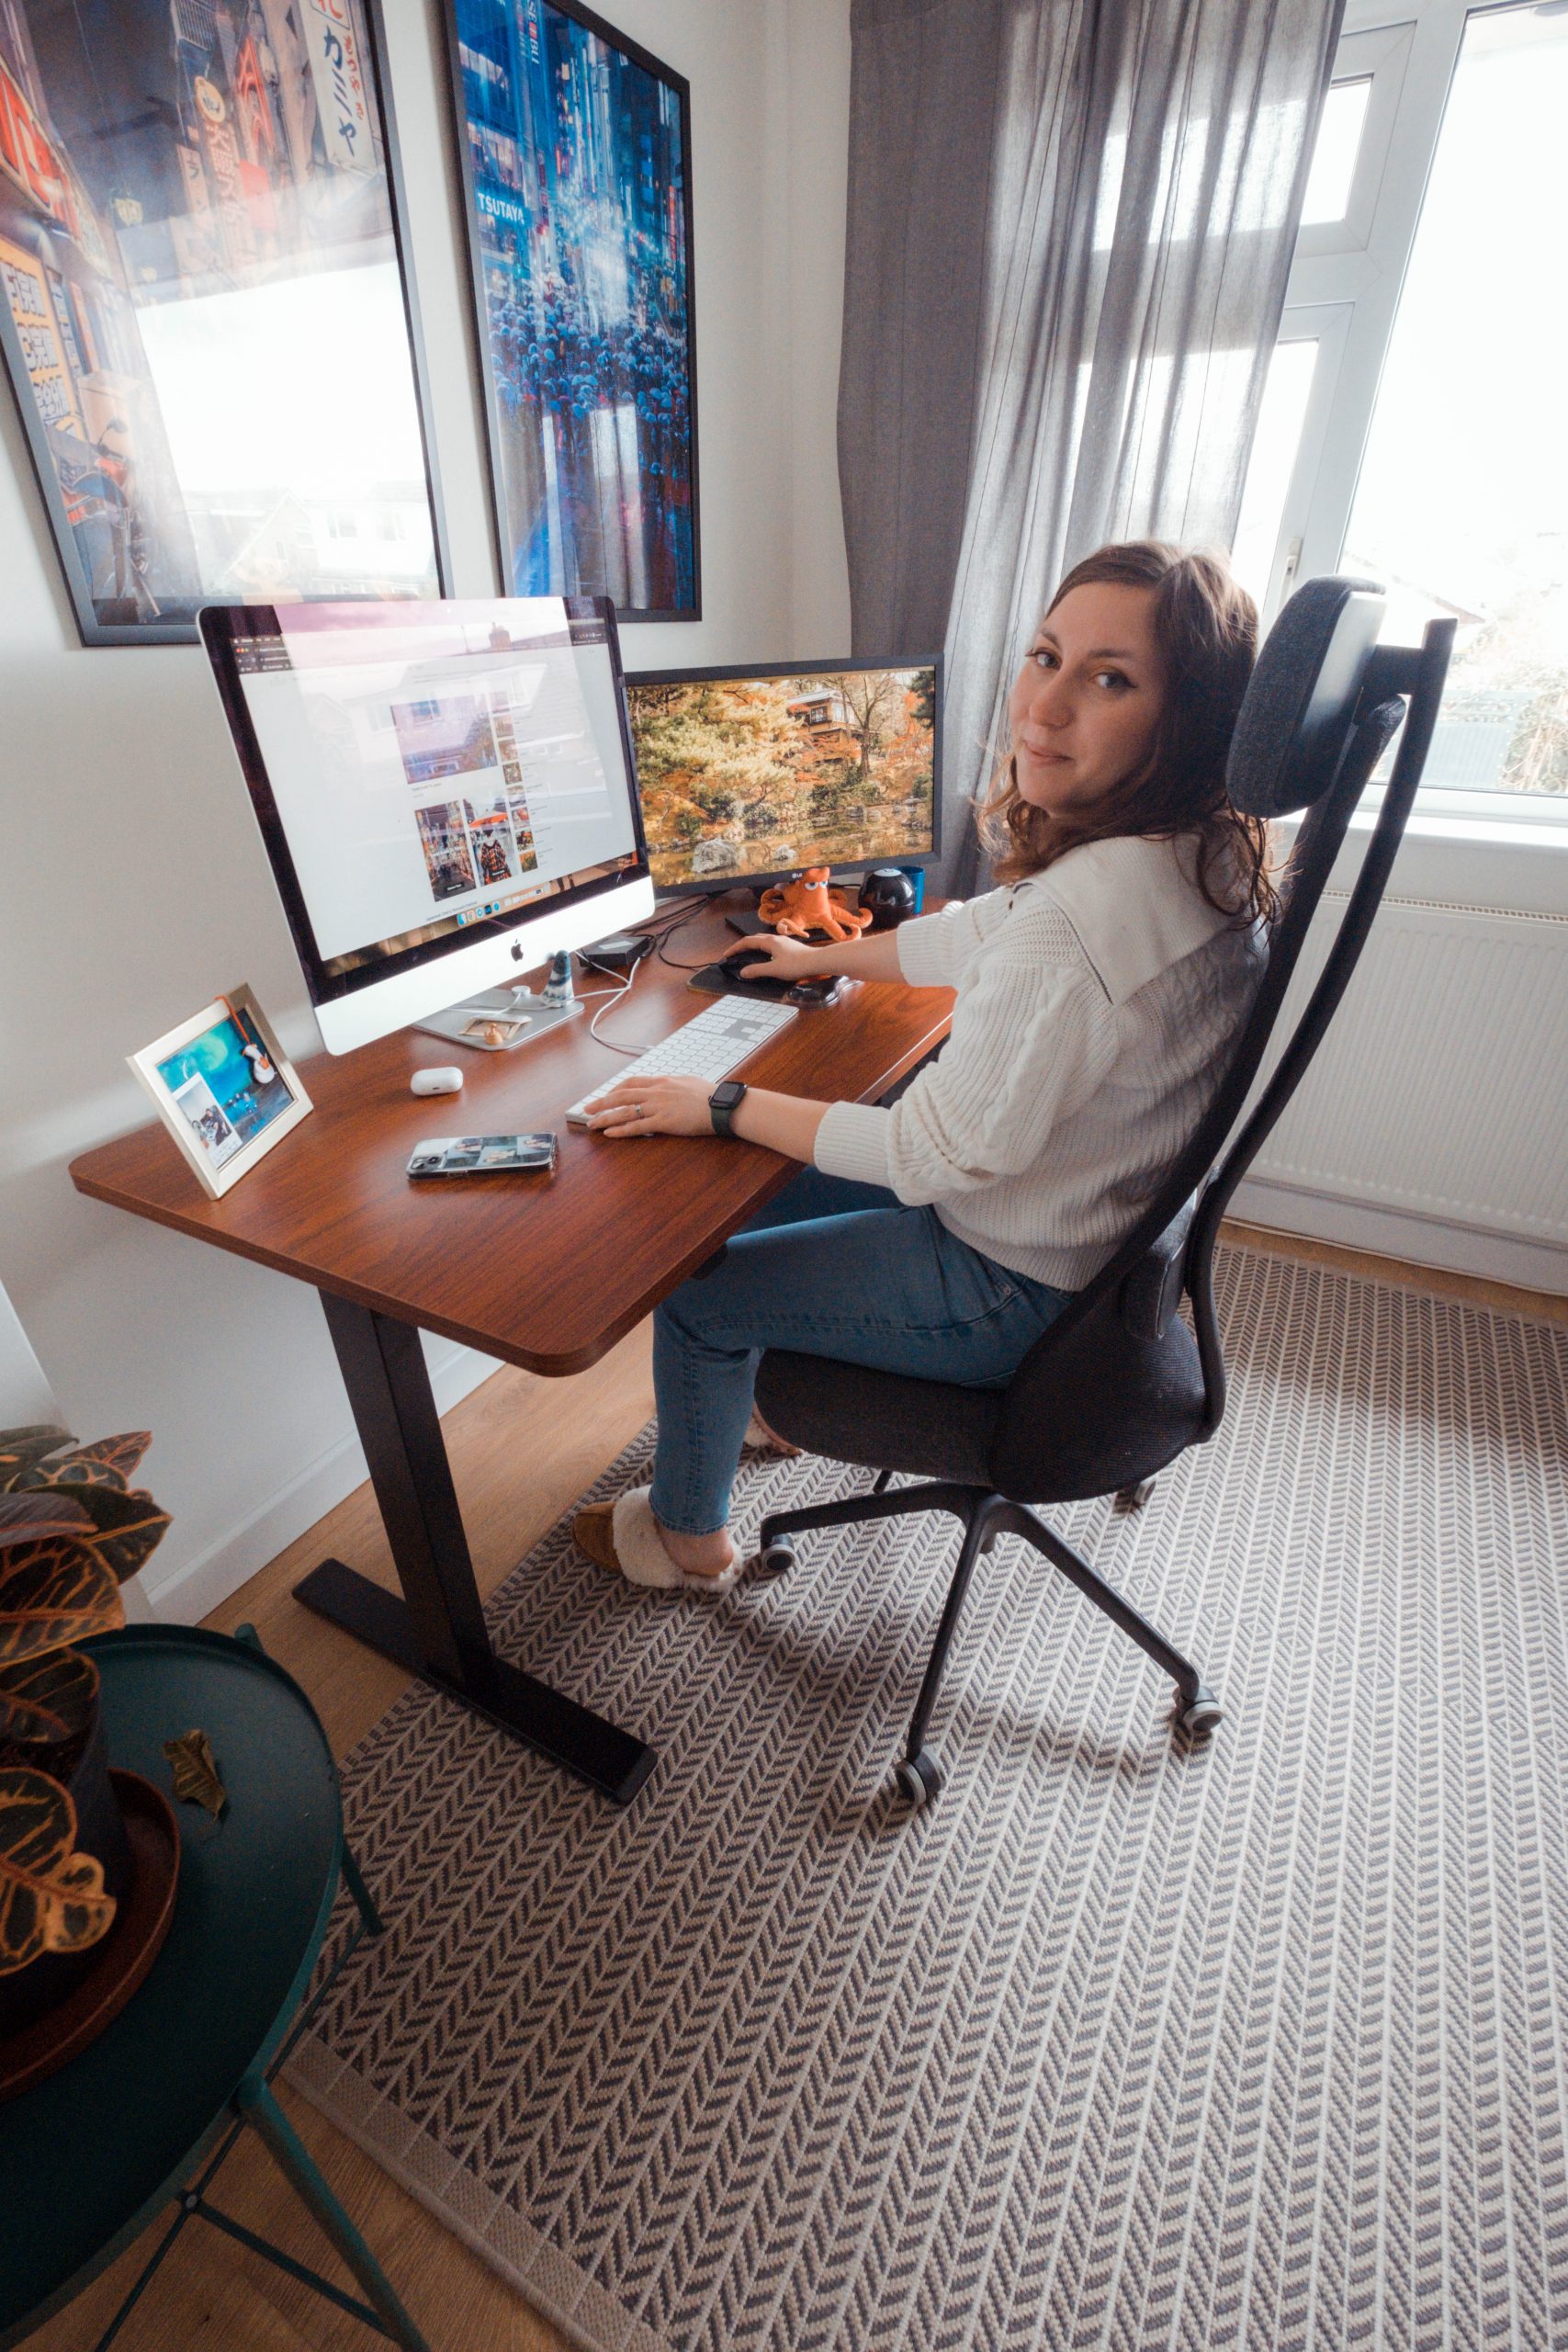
(1322, 706)
(1420, 676)
(1289, 734)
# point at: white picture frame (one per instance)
(222, 1122)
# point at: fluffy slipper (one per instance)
(767, 1441)
(624, 1535)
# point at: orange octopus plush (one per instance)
(803, 907)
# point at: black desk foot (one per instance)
(608, 1760)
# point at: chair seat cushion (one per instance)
(1093, 1409)
(930, 1428)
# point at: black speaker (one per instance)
(888, 894)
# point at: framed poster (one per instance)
(577, 185)
(207, 323)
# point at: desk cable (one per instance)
(684, 913)
(688, 913)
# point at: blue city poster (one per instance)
(577, 176)
(204, 313)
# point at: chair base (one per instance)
(984, 1515)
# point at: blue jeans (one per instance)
(830, 1268)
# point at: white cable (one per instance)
(613, 995)
(626, 985)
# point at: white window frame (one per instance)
(1344, 290)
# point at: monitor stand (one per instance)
(522, 1015)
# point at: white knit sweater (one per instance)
(1097, 1004)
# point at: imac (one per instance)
(446, 793)
(749, 774)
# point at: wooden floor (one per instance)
(522, 1448)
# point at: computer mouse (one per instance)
(822, 989)
(747, 962)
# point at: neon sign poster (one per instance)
(203, 307)
(576, 158)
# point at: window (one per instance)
(1333, 157)
(1276, 450)
(1411, 426)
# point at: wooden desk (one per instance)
(546, 1273)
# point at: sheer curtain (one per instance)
(1070, 225)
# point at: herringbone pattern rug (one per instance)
(1117, 2046)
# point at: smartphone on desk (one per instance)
(481, 1155)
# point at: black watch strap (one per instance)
(724, 1102)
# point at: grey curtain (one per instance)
(1070, 226)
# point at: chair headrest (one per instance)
(1302, 696)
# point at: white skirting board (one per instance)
(1394, 1233)
(313, 1491)
(1432, 1123)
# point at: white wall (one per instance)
(135, 887)
(27, 1399)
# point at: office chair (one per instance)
(1120, 1385)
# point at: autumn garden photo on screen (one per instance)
(761, 775)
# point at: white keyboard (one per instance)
(716, 1042)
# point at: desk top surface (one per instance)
(544, 1271)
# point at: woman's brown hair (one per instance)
(1205, 626)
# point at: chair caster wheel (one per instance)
(918, 1782)
(1131, 1498)
(1204, 1715)
(777, 1558)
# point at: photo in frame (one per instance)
(576, 166)
(222, 1088)
(207, 321)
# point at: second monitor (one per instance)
(747, 774)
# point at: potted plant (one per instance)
(71, 1529)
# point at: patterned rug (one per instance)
(1117, 2045)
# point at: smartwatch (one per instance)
(723, 1104)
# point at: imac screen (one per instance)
(431, 767)
(746, 776)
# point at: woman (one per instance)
(1099, 990)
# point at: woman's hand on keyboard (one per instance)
(654, 1106)
(679, 1106)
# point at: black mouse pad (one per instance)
(720, 980)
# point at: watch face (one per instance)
(723, 1102)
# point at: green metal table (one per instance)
(149, 2111)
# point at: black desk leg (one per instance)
(437, 1630)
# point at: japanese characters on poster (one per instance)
(204, 314)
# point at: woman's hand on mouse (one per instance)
(787, 959)
(873, 957)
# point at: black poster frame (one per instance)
(92, 630)
(677, 83)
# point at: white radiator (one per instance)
(1434, 1121)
